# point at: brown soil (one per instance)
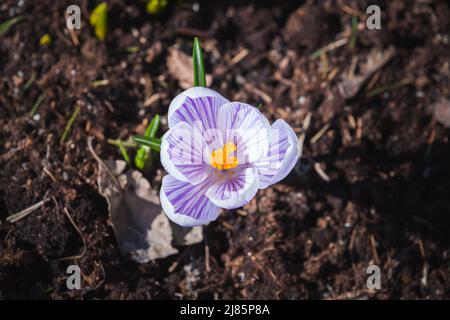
(385, 155)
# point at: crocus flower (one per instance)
(218, 154)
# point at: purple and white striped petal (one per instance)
(182, 154)
(282, 156)
(186, 204)
(247, 128)
(195, 104)
(233, 190)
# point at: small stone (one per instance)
(322, 223)
(301, 100)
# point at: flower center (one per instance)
(221, 159)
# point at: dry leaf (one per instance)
(181, 67)
(350, 86)
(142, 230)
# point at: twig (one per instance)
(352, 240)
(47, 172)
(174, 265)
(373, 244)
(324, 66)
(332, 74)
(152, 99)
(253, 89)
(301, 139)
(207, 265)
(349, 10)
(22, 214)
(239, 57)
(190, 32)
(100, 83)
(329, 47)
(74, 36)
(320, 172)
(320, 133)
(83, 252)
(351, 121)
(250, 87)
(421, 249)
(424, 279)
(226, 225)
(102, 163)
(359, 126)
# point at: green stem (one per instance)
(124, 153)
(69, 124)
(38, 103)
(354, 32)
(126, 144)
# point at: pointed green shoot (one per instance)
(124, 153)
(199, 67)
(8, 24)
(143, 153)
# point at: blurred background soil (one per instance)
(372, 187)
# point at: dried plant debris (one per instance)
(181, 68)
(306, 27)
(441, 110)
(350, 86)
(143, 231)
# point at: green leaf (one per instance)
(38, 102)
(139, 159)
(152, 127)
(156, 6)
(143, 152)
(132, 49)
(354, 32)
(152, 143)
(124, 153)
(199, 68)
(99, 20)
(8, 24)
(69, 124)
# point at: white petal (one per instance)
(282, 156)
(179, 106)
(186, 204)
(236, 191)
(247, 128)
(182, 154)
